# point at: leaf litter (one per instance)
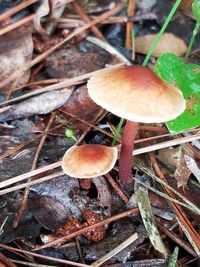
(95, 214)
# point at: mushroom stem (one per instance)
(125, 160)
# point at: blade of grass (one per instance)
(194, 33)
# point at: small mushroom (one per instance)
(89, 160)
(137, 94)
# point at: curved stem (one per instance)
(125, 160)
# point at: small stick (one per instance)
(129, 28)
(40, 180)
(135, 152)
(16, 9)
(79, 10)
(38, 59)
(17, 24)
(63, 84)
(115, 251)
(115, 186)
(23, 202)
(44, 257)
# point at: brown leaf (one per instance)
(41, 104)
(170, 156)
(14, 53)
(42, 11)
(70, 63)
(168, 43)
(182, 172)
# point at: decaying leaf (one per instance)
(175, 159)
(192, 166)
(170, 156)
(104, 193)
(15, 52)
(54, 201)
(71, 62)
(169, 43)
(42, 104)
(42, 11)
(148, 219)
(182, 172)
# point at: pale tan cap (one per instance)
(89, 161)
(137, 94)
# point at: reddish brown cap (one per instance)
(137, 94)
(89, 161)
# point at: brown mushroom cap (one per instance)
(89, 161)
(137, 94)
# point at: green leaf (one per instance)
(187, 78)
(196, 10)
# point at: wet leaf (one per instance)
(169, 43)
(187, 78)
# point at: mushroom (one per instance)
(136, 94)
(89, 160)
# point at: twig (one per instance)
(81, 231)
(38, 59)
(179, 211)
(88, 123)
(129, 43)
(63, 84)
(166, 144)
(165, 184)
(116, 250)
(79, 10)
(16, 25)
(44, 257)
(26, 263)
(9, 152)
(28, 184)
(115, 186)
(135, 152)
(23, 202)
(30, 174)
(176, 239)
(16, 9)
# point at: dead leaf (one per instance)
(71, 62)
(14, 53)
(182, 172)
(41, 104)
(41, 12)
(169, 43)
(192, 166)
(104, 193)
(170, 156)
